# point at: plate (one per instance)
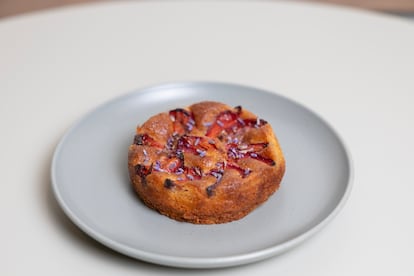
(90, 180)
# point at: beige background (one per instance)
(355, 69)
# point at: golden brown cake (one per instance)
(207, 163)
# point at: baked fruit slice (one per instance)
(207, 163)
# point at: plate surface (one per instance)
(90, 181)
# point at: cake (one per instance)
(208, 163)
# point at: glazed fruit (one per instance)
(207, 163)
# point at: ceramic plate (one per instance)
(90, 181)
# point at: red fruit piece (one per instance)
(254, 122)
(195, 144)
(183, 121)
(193, 173)
(235, 151)
(243, 172)
(231, 121)
(225, 120)
(171, 164)
(146, 140)
(143, 172)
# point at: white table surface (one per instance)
(355, 69)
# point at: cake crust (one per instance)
(208, 163)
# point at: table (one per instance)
(354, 68)
(403, 7)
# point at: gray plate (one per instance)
(90, 181)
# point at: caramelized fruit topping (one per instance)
(146, 140)
(230, 121)
(228, 124)
(183, 121)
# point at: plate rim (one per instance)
(198, 262)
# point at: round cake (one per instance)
(207, 163)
